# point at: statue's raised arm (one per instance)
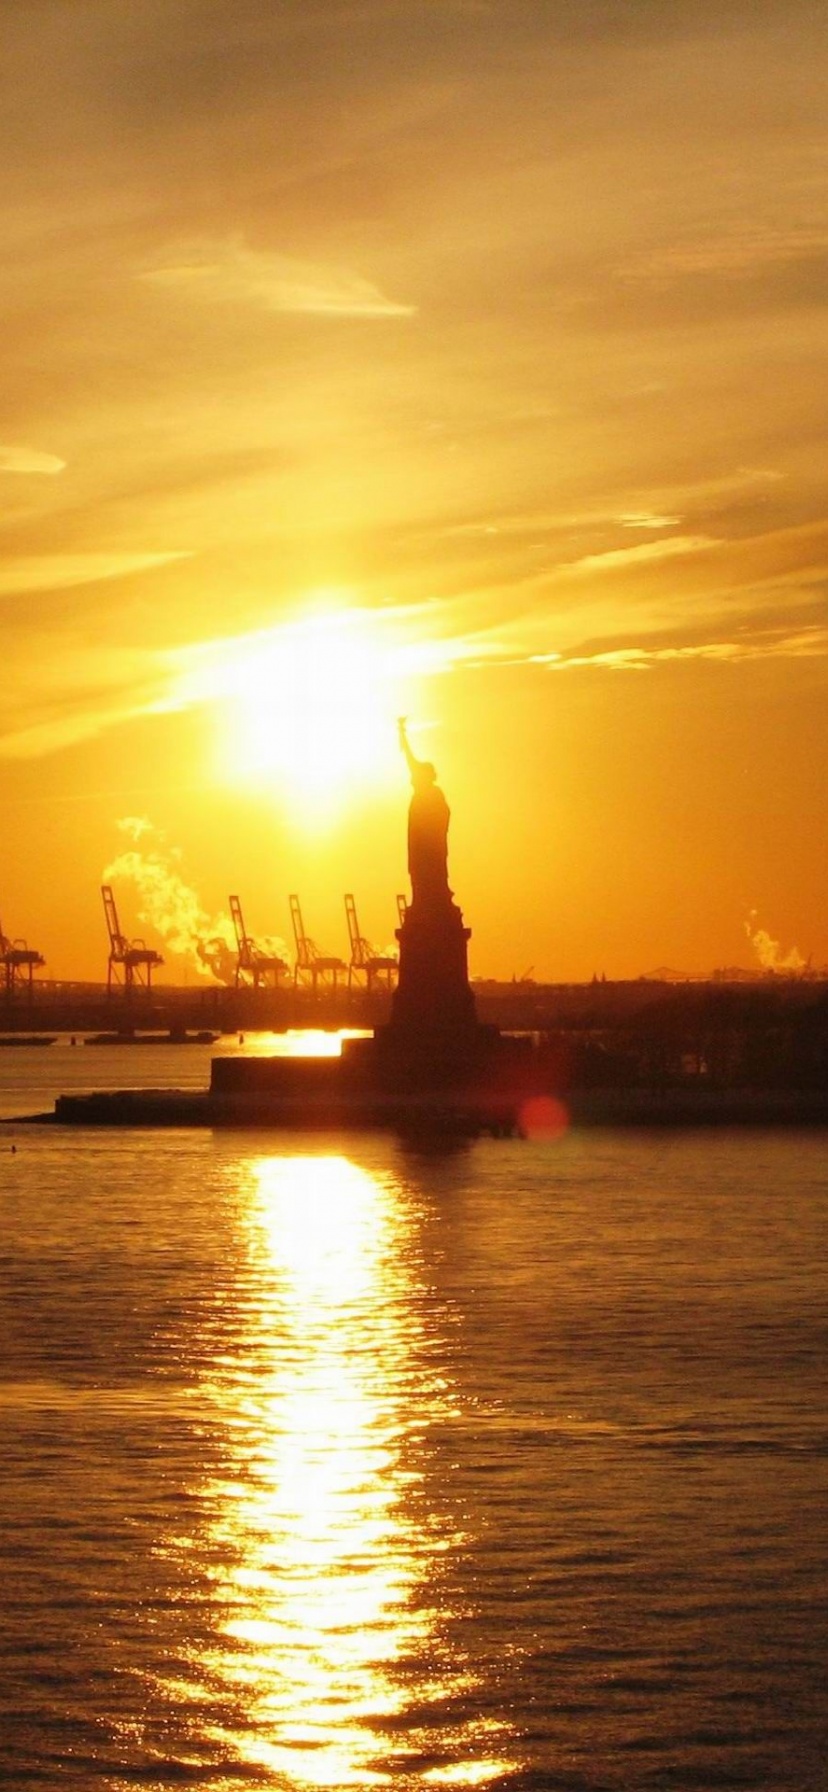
(412, 762)
(428, 819)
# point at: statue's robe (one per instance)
(428, 820)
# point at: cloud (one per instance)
(637, 556)
(59, 572)
(733, 252)
(804, 643)
(51, 734)
(14, 458)
(677, 580)
(229, 273)
(652, 605)
(62, 689)
(587, 540)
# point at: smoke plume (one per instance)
(769, 952)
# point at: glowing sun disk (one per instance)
(313, 706)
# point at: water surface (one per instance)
(327, 1464)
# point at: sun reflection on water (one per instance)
(328, 1557)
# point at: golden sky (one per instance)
(466, 357)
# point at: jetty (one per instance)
(331, 1095)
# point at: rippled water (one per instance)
(326, 1464)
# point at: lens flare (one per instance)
(543, 1117)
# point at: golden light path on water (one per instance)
(328, 1594)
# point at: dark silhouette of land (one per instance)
(769, 1034)
(443, 1056)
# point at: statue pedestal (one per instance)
(433, 1047)
(433, 999)
(433, 1037)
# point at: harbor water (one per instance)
(328, 1462)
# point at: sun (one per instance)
(307, 709)
(311, 707)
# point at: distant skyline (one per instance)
(462, 359)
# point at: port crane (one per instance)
(131, 962)
(378, 969)
(18, 962)
(252, 961)
(312, 965)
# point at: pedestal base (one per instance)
(433, 1002)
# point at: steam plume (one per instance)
(768, 951)
(169, 905)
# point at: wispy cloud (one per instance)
(804, 643)
(646, 519)
(59, 572)
(81, 693)
(230, 273)
(60, 693)
(676, 580)
(733, 252)
(668, 549)
(15, 458)
(647, 508)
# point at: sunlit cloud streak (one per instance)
(729, 587)
(15, 458)
(808, 643)
(719, 564)
(732, 252)
(84, 693)
(59, 572)
(230, 273)
(652, 508)
(62, 690)
(651, 550)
